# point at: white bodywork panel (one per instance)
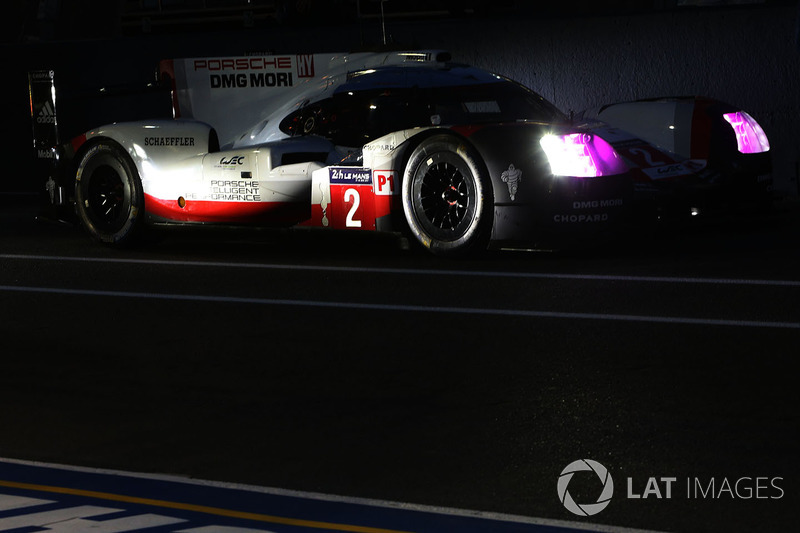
(173, 163)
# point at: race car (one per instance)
(461, 158)
(723, 153)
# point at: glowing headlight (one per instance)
(581, 155)
(750, 138)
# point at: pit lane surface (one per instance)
(60, 499)
(347, 365)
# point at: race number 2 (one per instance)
(352, 198)
(351, 195)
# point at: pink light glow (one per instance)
(750, 138)
(581, 155)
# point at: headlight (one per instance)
(750, 138)
(581, 155)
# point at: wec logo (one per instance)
(585, 509)
(234, 160)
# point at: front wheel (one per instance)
(448, 197)
(108, 194)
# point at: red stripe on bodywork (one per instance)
(77, 142)
(467, 131)
(277, 213)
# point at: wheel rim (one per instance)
(444, 196)
(106, 198)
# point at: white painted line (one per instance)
(47, 518)
(8, 502)
(115, 525)
(222, 529)
(335, 498)
(406, 308)
(410, 271)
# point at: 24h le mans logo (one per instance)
(585, 509)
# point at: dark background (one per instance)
(412, 408)
(580, 55)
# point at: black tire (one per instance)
(447, 196)
(109, 199)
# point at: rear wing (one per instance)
(60, 111)
(235, 94)
(44, 122)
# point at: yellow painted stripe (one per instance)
(197, 508)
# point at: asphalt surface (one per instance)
(348, 364)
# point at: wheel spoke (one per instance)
(106, 196)
(444, 197)
(441, 193)
(452, 224)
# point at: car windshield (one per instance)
(353, 118)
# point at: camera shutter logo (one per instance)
(585, 509)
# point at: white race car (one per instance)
(461, 157)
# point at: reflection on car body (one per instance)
(461, 158)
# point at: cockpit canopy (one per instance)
(375, 102)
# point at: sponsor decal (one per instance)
(350, 175)
(305, 65)
(244, 63)
(593, 204)
(581, 205)
(574, 219)
(232, 160)
(696, 165)
(169, 141)
(384, 182)
(46, 115)
(41, 90)
(352, 202)
(253, 71)
(43, 75)
(666, 171)
(512, 177)
(379, 147)
(235, 191)
(51, 189)
(255, 79)
(323, 203)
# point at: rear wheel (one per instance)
(108, 194)
(447, 196)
